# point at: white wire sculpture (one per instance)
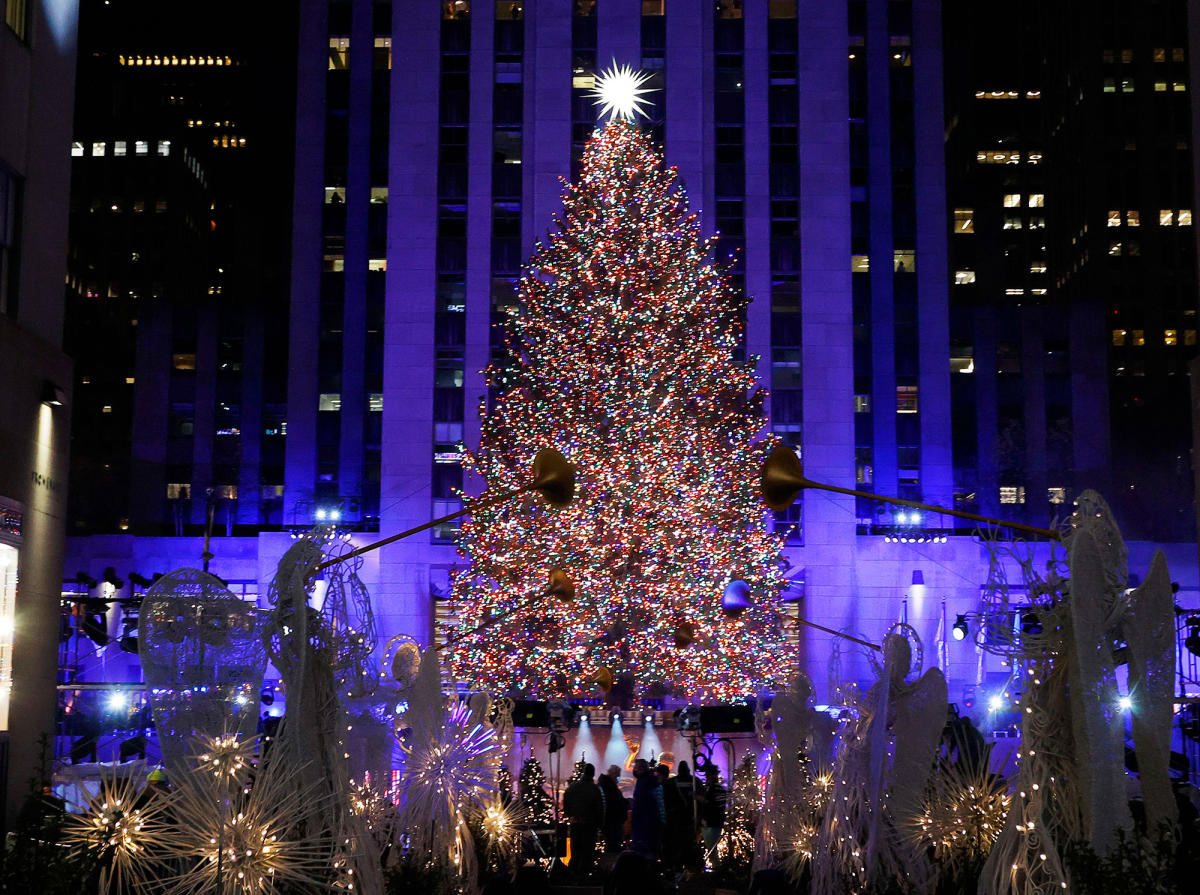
(303, 645)
(879, 781)
(203, 660)
(1071, 779)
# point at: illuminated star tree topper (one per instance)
(619, 91)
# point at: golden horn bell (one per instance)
(782, 478)
(553, 477)
(561, 586)
(602, 677)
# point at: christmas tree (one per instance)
(531, 791)
(621, 355)
(745, 804)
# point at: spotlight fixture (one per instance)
(1125, 703)
(110, 577)
(995, 703)
(140, 580)
(960, 630)
(1030, 623)
(267, 697)
(52, 395)
(87, 580)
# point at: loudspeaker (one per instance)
(726, 719)
(528, 713)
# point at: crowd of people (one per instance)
(672, 821)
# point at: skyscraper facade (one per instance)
(1074, 304)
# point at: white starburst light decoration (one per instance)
(619, 92)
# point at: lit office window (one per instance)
(97, 149)
(329, 401)
(141, 147)
(1166, 218)
(964, 220)
(906, 399)
(379, 195)
(1037, 200)
(1139, 338)
(377, 264)
(1171, 337)
(1012, 200)
(119, 147)
(1133, 219)
(178, 491)
(335, 195)
(964, 277)
(1184, 217)
(383, 53)
(1012, 222)
(1056, 495)
(76, 149)
(339, 53)
(164, 147)
(1037, 267)
(860, 263)
(904, 261)
(375, 402)
(1012, 493)
(1114, 219)
(862, 403)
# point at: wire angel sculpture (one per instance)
(346, 613)
(203, 659)
(797, 736)
(860, 839)
(1071, 783)
(304, 647)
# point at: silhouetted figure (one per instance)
(584, 807)
(711, 799)
(615, 811)
(648, 811)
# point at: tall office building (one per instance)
(430, 142)
(1074, 257)
(37, 66)
(178, 267)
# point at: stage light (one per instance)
(267, 697)
(649, 719)
(995, 703)
(52, 395)
(139, 580)
(321, 514)
(241, 699)
(960, 630)
(915, 519)
(85, 579)
(902, 518)
(110, 577)
(335, 514)
(1125, 703)
(117, 700)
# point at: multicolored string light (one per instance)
(622, 356)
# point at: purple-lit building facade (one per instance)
(430, 142)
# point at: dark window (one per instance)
(10, 217)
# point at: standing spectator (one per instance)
(615, 810)
(583, 805)
(711, 800)
(678, 827)
(648, 811)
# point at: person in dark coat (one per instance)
(615, 810)
(678, 832)
(584, 807)
(648, 811)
